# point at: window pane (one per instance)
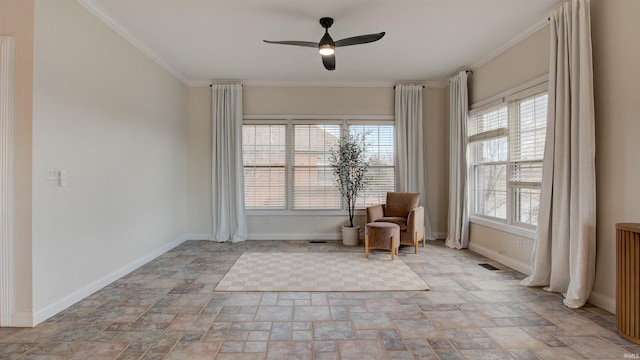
(380, 180)
(264, 187)
(264, 157)
(379, 150)
(529, 172)
(313, 181)
(315, 188)
(379, 139)
(527, 203)
(490, 150)
(487, 121)
(529, 129)
(491, 190)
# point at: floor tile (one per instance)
(169, 309)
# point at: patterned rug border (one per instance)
(324, 272)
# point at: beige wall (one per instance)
(16, 19)
(525, 61)
(116, 122)
(615, 30)
(513, 250)
(315, 100)
(311, 100)
(199, 162)
(616, 52)
(436, 140)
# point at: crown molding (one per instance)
(509, 44)
(108, 19)
(361, 84)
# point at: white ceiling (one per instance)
(428, 40)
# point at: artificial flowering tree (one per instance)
(350, 166)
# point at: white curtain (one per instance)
(458, 219)
(227, 174)
(564, 252)
(410, 167)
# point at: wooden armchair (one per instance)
(403, 209)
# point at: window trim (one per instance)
(507, 98)
(289, 121)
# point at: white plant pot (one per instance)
(350, 235)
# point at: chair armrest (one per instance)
(374, 213)
(415, 220)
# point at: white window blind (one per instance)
(314, 186)
(264, 157)
(379, 151)
(506, 146)
(489, 153)
(286, 162)
(527, 138)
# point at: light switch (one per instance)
(63, 178)
(52, 173)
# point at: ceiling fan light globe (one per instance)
(326, 49)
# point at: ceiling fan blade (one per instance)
(329, 61)
(362, 39)
(296, 43)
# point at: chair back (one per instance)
(400, 203)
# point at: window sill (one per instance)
(511, 229)
(265, 212)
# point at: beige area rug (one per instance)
(319, 272)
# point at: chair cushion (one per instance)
(400, 221)
(400, 203)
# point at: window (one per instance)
(286, 163)
(506, 147)
(264, 157)
(313, 183)
(380, 150)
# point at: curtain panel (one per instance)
(227, 177)
(564, 252)
(458, 218)
(410, 166)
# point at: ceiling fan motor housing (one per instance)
(326, 22)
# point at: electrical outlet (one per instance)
(519, 243)
(266, 220)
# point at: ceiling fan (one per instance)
(326, 46)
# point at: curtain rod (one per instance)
(394, 86)
(211, 85)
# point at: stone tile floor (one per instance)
(168, 309)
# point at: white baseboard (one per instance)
(54, 308)
(598, 299)
(439, 235)
(602, 301)
(501, 258)
(198, 236)
(278, 236)
(290, 236)
(322, 236)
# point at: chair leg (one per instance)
(393, 251)
(415, 242)
(366, 246)
(424, 235)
